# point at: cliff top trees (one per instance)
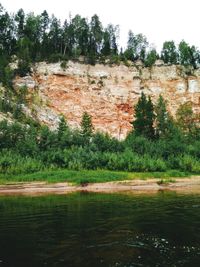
(169, 53)
(36, 38)
(110, 36)
(151, 57)
(96, 34)
(136, 46)
(188, 55)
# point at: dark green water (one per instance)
(93, 230)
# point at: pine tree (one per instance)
(150, 132)
(62, 127)
(144, 117)
(86, 126)
(63, 133)
(163, 118)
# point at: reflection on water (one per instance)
(93, 230)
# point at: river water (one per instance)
(93, 230)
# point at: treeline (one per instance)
(157, 143)
(31, 38)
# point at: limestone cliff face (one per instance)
(107, 93)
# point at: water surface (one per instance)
(94, 230)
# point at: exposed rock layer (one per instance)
(107, 93)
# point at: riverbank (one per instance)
(83, 177)
(136, 186)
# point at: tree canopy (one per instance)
(43, 37)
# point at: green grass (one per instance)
(86, 176)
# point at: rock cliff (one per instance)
(107, 93)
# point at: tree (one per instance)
(44, 25)
(114, 35)
(144, 117)
(24, 56)
(46, 139)
(169, 53)
(6, 32)
(106, 49)
(80, 30)
(163, 120)
(186, 118)
(96, 34)
(84, 37)
(10, 135)
(33, 33)
(195, 58)
(136, 46)
(55, 36)
(188, 55)
(63, 133)
(44, 21)
(20, 19)
(151, 58)
(110, 37)
(62, 127)
(8, 77)
(86, 126)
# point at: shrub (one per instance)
(11, 163)
(23, 69)
(189, 163)
(63, 64)
(129, 161)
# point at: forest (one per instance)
(31, 38)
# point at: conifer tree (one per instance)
(63, 133)
(163, 118)
(144, 117)
(62, 127)
(86, 126)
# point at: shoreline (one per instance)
(136, 186)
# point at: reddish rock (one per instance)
(109, 94)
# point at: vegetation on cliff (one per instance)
(157, 142)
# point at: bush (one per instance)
(24, 68)
(189, 163)
(194, 149)
(138, 144)
(63, 64)
(129, 161)
(11, 163)
(103, 142)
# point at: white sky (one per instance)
(158, 20)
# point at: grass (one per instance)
(87, 176)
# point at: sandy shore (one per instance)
(182, 185)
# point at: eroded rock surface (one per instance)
(107, 93)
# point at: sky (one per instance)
(158, 20)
